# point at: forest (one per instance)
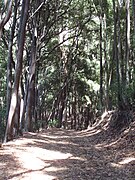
(66, 64)
(63, 63)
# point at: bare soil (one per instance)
(58, 154)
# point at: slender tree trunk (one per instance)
(120, 62)
(106, 68)
(10, 61)
(18, 70)
(8, 6)
(31, 90)
(24, 105)
(101, 63)
(133, 7)
(127, 35)
(127, 45)
(36, 100)
(74, 106)
(62, 106)
(115, 9)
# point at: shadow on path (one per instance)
(58, 154)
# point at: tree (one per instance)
(18, 70)
(5, 19)
(70, 61)
(11, 62)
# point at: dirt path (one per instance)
(68, 155)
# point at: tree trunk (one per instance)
(106, 68)
(133, 7)
(10, 61)
(127, 55)
(127, 37)
(31, 91)
(6, 18)
(18, 70)
(62, 106)
(115, 55)
(101, 64)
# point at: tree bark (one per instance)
(133, 7)
(18, 70)
(127, 55)
(106, 67)
(31, 89)
(115, 53)
(10, 61)
(101, 63)
(6, 18)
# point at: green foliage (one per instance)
(75, 64)
(53, 123)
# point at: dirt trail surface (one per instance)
(58, 154)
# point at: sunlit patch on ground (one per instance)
(100, 146)
(127, 160)
(30, 161)
(116, 165)
(34, 176)
(88, 133)
(61, 154)
(35, 157)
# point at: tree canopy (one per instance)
(63, 63)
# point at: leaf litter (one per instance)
(58, 154)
